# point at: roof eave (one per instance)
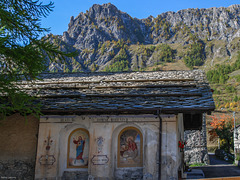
(129, 111)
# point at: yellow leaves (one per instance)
(234, 109)
(232, 106)
(223, 141)
(227, 105)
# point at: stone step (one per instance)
(195, 174)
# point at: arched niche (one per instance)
(78, 149)
(130, 148)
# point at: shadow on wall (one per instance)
(18, 137)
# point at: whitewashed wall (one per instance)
(57, 129)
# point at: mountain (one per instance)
(108, 39)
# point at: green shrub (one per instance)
(235, 99)
(165, 53)
(195, 55)
(230, 89)
(238, 157)
(120, 63)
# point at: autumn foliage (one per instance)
(221, 127)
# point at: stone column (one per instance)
(195, 150)
(204, 140)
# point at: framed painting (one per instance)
(130, 148)
(78, 149)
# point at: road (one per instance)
(216, 161)
(219, 168)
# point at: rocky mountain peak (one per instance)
(102, 23)
(100, 33)
(101, 11)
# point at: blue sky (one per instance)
(58, 19)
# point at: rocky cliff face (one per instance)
(105, 37)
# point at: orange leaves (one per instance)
(222, 128)
(220, 124)
(221, 121)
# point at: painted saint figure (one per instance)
(79, 148)
(131, 144)
(129, 150)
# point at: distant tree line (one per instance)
(220, 73)
(195, 55)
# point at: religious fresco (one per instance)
(100, 141)
(130, 148)
(78, 149)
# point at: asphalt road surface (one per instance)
(219, 168)
(216, 161)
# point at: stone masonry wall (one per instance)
(17, 170)
(237, 141)
(195, 150)
(18, 137)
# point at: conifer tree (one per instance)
(23, 53)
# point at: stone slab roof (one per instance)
(127, 92)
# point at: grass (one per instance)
(178, 65)
(197, 165)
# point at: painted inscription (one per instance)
(130, 148)
(47, 160)
(78, 149)
(100, 159)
